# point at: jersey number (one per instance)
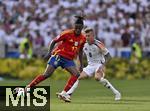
(90, 54)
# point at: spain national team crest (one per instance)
(76, 43)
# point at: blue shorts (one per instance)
(57, 61)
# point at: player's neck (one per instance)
(90, 43)
(77, 35)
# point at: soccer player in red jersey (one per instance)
(69, 44)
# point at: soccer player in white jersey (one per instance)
(97, 56)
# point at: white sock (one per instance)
(107, 84)
(71, 90)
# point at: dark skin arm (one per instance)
(81, 59)
(48, 55)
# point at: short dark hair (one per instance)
(79, 20)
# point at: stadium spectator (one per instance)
(26, 48)
(52, 17)
(136, 54)
(126, 36)
(39, 41)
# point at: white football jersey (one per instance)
(95, 52)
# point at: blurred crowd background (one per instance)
(117, 23)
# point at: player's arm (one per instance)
(81, 55)
(48, 55)
(106, 54)
(104, 51)
(59, 38)
(107, 57)
(81, 59)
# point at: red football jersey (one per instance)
(69, 44)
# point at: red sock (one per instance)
(37, 80)
(70, 82)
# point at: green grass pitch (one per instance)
(92, 96)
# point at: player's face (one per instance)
(78, 28)
(90, 37)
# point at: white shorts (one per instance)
(91, 69)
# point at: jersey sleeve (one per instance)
(62, 36)
(59, 38)
(102, 47)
